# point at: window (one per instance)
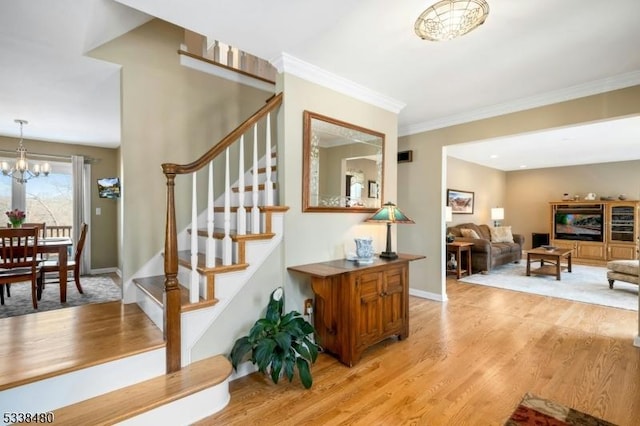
(44, 199)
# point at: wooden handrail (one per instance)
(172, 307)
(180, 169)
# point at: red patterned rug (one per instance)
(537, 411)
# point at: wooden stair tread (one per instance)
(249, 188)
(218, 234)
(154, 287)
(220, 209)
(61, 341)
(184, 258)
(125, 403)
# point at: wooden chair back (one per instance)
(84, 228)
(42, 228)
(19, 260)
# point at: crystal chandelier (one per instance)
(448, 19)
(20, 171)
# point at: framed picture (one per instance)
(373, 189)
(461, 202)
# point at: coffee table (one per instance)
(552, 257)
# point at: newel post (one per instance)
(171, 289)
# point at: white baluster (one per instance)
(211, 243)
(268, 184)
(230, 57)
(216, 51)
(241, 213)
(193, 281)
(226, 240)
(255, 194)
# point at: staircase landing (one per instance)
(42, 345)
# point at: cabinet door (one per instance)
(366, 315)
(394, 308)
(622, 251)
(592, 251)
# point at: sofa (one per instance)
(623, 270)
(488, 252)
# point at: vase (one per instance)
(452, 263)
(16, 224)
(364, 249)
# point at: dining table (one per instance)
(59, 245)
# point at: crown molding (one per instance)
(292, 65)
(574, 92)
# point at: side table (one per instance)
(458, 248)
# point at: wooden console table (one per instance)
(357, 306)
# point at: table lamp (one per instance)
(389, 214)
(497, 214)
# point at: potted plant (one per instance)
(279, 343)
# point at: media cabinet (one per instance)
(618, 235)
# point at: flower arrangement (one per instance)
(16, 217)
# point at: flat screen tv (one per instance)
(578, 226)
(109, 187)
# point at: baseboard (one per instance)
(104, 271)
(428, 295)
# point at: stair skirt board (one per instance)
(70, 388)
(186, 410)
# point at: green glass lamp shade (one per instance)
(389, 213)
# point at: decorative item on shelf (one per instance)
(452, 263)
(622, 197)
(590, 196)
(16, 217)
(389, 213)
(279, 343)
(448, 19)
(20, 171)
(497, 214)
(364, 250)
(566, 197)
(576, 197)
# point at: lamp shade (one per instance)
(389, 213)
(497, 213)
(448, 214)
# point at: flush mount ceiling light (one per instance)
(448, 19)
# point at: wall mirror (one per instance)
(343, 165)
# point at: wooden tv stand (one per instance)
(357, 306)
(620, 231)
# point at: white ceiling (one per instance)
(528, 53)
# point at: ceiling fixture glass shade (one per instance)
(448, 19)
(20, 171)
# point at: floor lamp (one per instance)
(389, 213)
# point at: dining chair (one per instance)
(72, 264)
(19, 260)
(42, 228)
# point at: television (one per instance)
(579, 225)
(109, 187)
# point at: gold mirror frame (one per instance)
(349, 143)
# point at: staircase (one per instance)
(205, 266)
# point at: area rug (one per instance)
(586, 284)
(538, 411)
(97, 289)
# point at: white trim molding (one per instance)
(292, 65)
(428, 295)
(636, 341)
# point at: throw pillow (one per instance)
(501, 234)
(469, 233)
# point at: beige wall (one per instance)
(170, 113)
(317, 237)
(422, 184)
(529, 191)
(102, 231)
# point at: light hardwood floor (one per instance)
(466, 362)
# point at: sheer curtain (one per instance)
(81, 214)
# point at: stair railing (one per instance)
(172, 307)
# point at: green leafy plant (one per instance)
(279, 343)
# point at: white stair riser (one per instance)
(186, 410)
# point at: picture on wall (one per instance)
(109, 187)
(373, 189)
(461, 202)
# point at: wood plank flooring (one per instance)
(466, 362)
(41, 345)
